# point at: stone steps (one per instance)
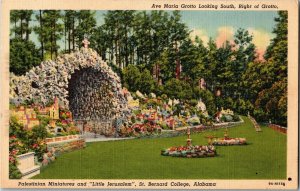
(256, 126)
(30, 172)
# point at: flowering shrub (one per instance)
(229, 141)
(22, 141)
(190, 151)
(14, 172)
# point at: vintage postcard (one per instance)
(149, 94)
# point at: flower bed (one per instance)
(190, 151)
(229, 141)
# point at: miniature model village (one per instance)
(50, 114)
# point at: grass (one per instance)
(263, 158)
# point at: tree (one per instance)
(193, 59)
(223, 70)
(274, 102)
(267, 81)
(21, 20)
(23, 56)
(210, 64)
(99, 41)
(40, 31)
(49, 32)
(244, 54)
(177, 89)
(277, 50)
(146, 83)
(131, 77)
(86, 25)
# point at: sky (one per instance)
(221, 25)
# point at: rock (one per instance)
(81, 80)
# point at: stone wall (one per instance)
(278, 128)
(65, 143)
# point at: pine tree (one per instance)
(69, 22)
(86, 25)
(49, 32)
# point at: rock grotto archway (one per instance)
(82, 81)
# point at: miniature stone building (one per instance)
(26, 116)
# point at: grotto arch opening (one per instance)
(90, 96)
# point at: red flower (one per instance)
(13, 137)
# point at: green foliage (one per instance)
(135, 80)
(146, 83)
(23, 56)
(49, 32)
(274, 101)
(39, 132)
(131, 77)
(86, 25)
(16, 129)
(178, 89)
(14, 172)
(28, 140)
(20, 24)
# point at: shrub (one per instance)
(236, 117)
(14, 172)
(178, 89)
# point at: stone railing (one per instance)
(27, 165)
(278, 128)
(62, 138)
(65, 143)
(215, 126)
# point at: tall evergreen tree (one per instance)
(21, 20)
(273, 100)
(86, 25)
(50, 32)
(69, 22)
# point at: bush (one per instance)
(143, 81)
(178, 89)
(236, 117)
(14, 172)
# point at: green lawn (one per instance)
(263, 158)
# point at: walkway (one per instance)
(90, 137)
(256, 126)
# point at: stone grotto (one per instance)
(82, 81)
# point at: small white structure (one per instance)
(170, 102)
(152, 95)
(202, 107)
(140, 95)
(27, 166)
(176, 101)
